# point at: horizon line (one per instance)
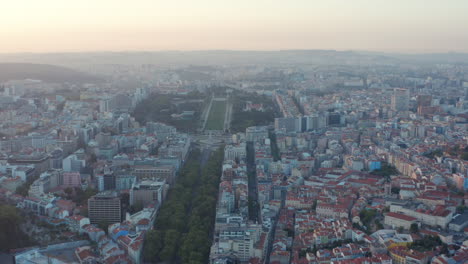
(402, 52)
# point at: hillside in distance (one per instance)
(44, 72)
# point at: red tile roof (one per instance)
(401, 216)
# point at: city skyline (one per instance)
(396, 26)
(234, 132)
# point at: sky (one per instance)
(413, 26)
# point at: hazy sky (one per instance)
(116, 25)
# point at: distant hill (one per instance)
(201, 61)
(44, 72)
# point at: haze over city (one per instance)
(418, 26)
(234, 132)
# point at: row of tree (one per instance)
(275, 152)
(184, 227)
(11, 235)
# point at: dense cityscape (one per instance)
(326, 162)
(234, 132)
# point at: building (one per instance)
(288, 124)
(161, 130)
(124, 181)
(55, 177)
(104, 105)
(175, 146)
(24, 172)
(73, 163)
(56, 253)
(104, 207)
(76, 222)
(399, 220)
(108, 180)
(71, 179)
(424, 100)
(238, 243)
(39, 187)
(11, 184)
(40, 206)
(424, 103)
(154, 172)
(459, 222)
(400, 99)
(438, 217)
(120, 101)
(232, 152)
(335, 211)
(148, 191)
(103, 139)
(334, 119)
(256, 133)
(56, 159)
(39, 161)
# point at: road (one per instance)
(205, 113)
(271, 237)
(228, 116)
(205, 156)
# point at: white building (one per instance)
(73, 164)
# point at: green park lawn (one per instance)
(216, 117)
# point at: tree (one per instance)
(125, 199)
(92, 158)
(386, 171)
(68, 191)
(171, 241)
(289, 231)
(414, 228)
(186, 219)
(11, 235)
(160, 107)
(366, 216)
(427, 243)
(314, 250)
(60, 106)
(137, 207)
(81, 197)
(103, 225)
(464, 156)
(434, 153)
(314, 205)
(379, 225)
(24, 188)
(242, 119)
(395, 190)
(153, 245)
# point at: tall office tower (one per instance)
(424, 100)
(104, 208)
(400, 99)
(104, 105)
